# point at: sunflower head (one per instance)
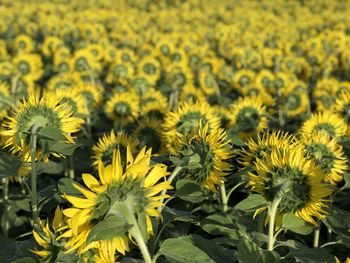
(123, 106)
(299, 182)
(248, 116)
(327, 154)
(186, 120)
(210, 149)
(324, 122)
(107, 144)
(342, 107)
(35, 113)
(121, 193)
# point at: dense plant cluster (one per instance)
(175, 131)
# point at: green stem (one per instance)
(170, 180)
(317, 237)
(329, 235)
(272, 217)
(34, 199)
(5, 190)
(224, 198)
(233, 189)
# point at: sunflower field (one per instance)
(196, 131)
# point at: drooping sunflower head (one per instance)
(327, 154)
(248, 116)
(299, 182)
(124, 105)
(154, 104)
(107, 144)
(39, 113)
(120, 193)
(264, 144)
(46, 236)
(120, 72)
(296, 100)
(186, 120)
(91, 93)
(324, 122)
(212, 149)
(192, 93)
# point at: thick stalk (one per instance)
(5, 190)
(317, 237)
(224, 198)
(170, 180)
(272, 218)
(34, 199)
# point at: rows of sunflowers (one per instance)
(175, 131)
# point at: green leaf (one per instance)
(252, 203)
(9, 165)
(236, 140)
(25, 260)
(65, 186)
(339, 222)
(171, 214)
(110, 227)
(50, 167)
(250, 252)
(218, 224)
(65, 149)
(347, 180)
(194, 249)
(305, 254)
(51, 133)
(189, 191)
(296, 224)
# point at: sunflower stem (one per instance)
(34, 199)
(71, 167)
(5, 222)
(170, 180)
(272, 218)
(317, 237)
(233, 189)
(224, 198)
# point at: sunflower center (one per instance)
(120, 71)
(209, 81)
(24, 67)
(322, 155)
(149, 68)
(122, 191)
(122, 109)
(189, 122)
(293, 101)
(81, 64)
(325, 127)
(244, 80)
(247, 119)
(292, 184)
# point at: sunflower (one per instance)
(342, 108)
(84, 61)
(327, 154)
(213, 149)
(39, 113)
(299, 182)
(186, 120)
(264, 144)
(103, 149)
(149, 133)
(149, 68)
(120, 72)
(135, 185)
(23, 43)
(243, 78)
(46, 236)
(123, 106)
(295, 100)
(154, 104)
(248, 116)
(326, 122)
(29, 66)
(192, 93)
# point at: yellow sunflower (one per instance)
(149, 68)
(107, 144)
(248, 116)
(154, 104)
(46, 236)
(299, 182)
(326, 122)
(186, 120)
(39, 113)
(122, 106)
(327, 154)
(135, 186)
(5, 99)
(192, 93)
(258, 148)
(212, 146)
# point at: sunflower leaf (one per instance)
(252, 202)
(51, 133)
(296, 224)
(9, 165)
(109, 228)
(248, 251)
(189, 191)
